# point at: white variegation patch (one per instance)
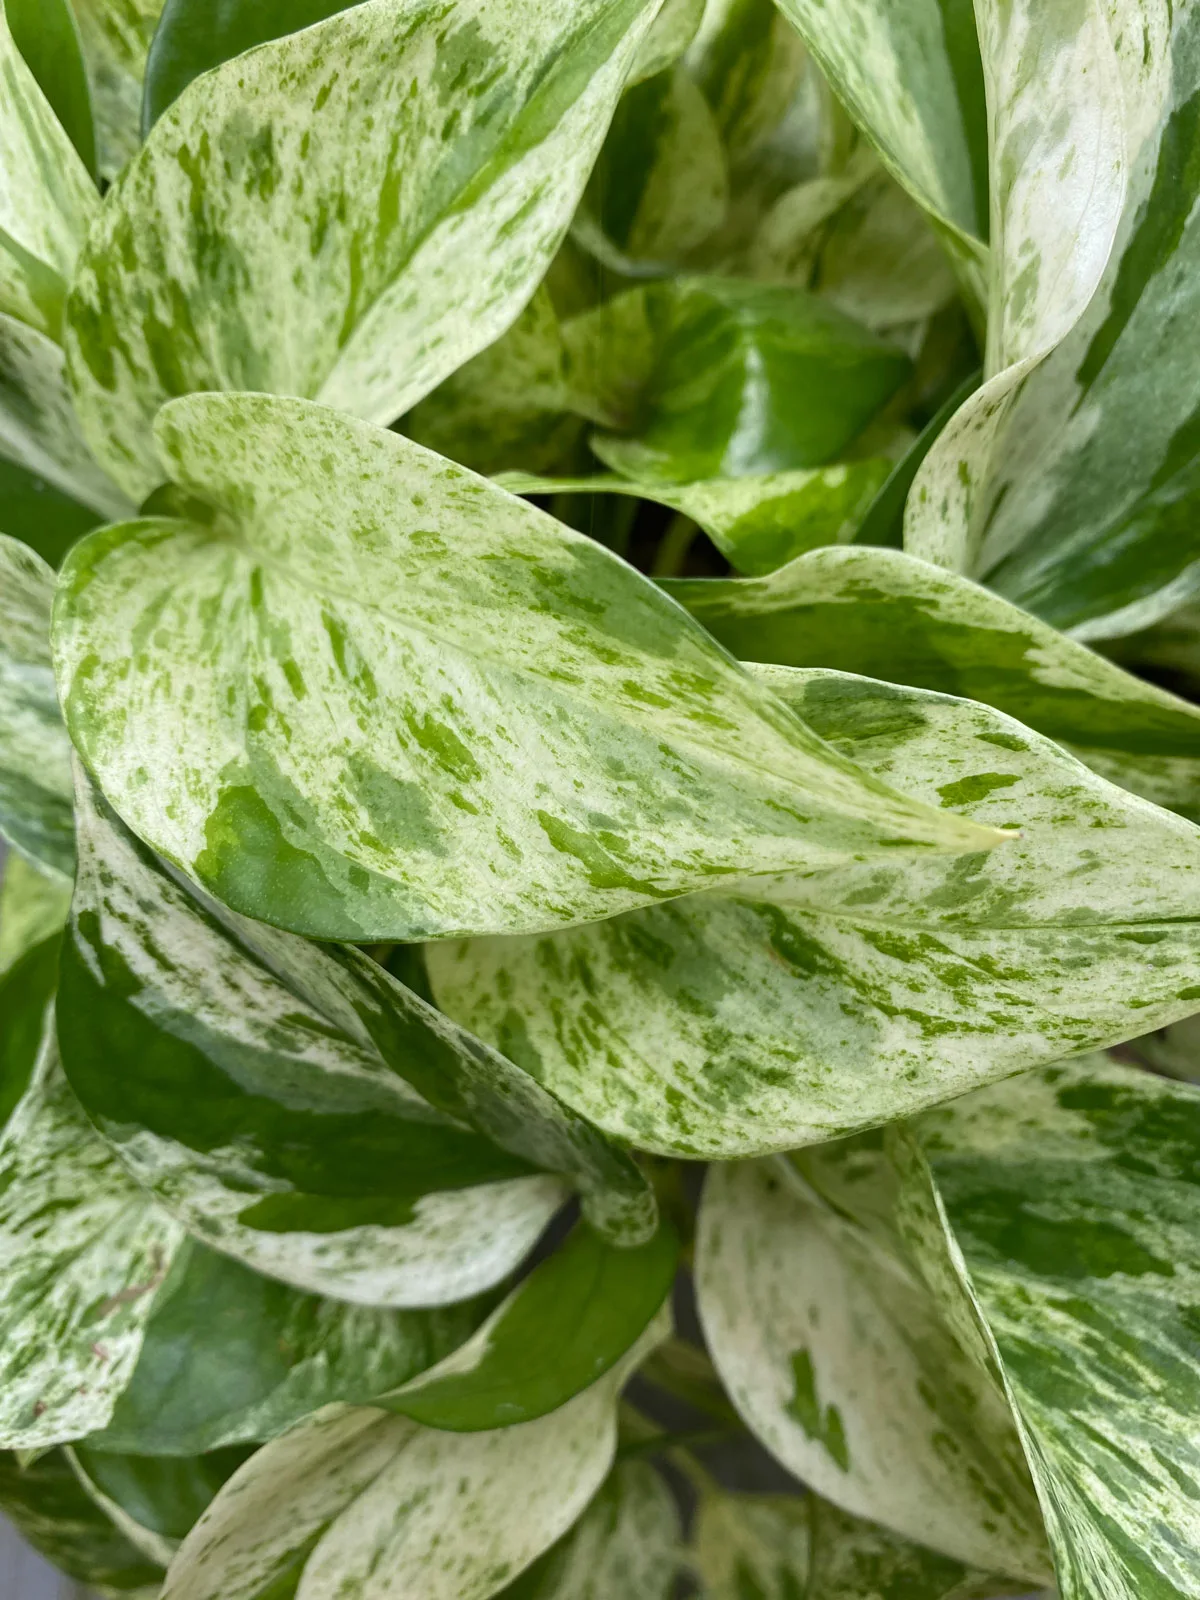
(360, 1501)
(1059, 163)
(83, 1252)
(838, 1362)
(36, 800)
(786, 1012)
(297, 222)
(416, 707)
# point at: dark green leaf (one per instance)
(51, 1509)
(40, 515)
(26, 989)
(155, 1496)
(196, 35)
(566, 1325)
(46, 34)
(884, 521)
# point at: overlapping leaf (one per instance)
(153, 1501)
(41, 516)
(377, 697)
(47, 36)
(83, 1250)
(255, 1102)
(33, 906)
(116, 40)
(887, 615)
(297, 223)
(231, 1357)
(837, 1359)
(352, 1496)
(35, 755)
(782, 1013)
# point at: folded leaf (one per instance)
(626, 1543)
(758, 524)
(787, 1012)
(231, 1357)
(1090, 520)
(564, 1326)
(884, 614)
(907, 77)
(751, 379)
(194, 36)
(54, 1513)
(660, 186)
(1059, 187)
(413, 138)
(417, 707)
(788, 1547)
(47, 35)
(116, 37)
(1071, 1195)
(47, 198)
(253, 1102)
(838, 1361)
(83, 1252)
(36, 808)
(350, 1498)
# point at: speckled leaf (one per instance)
(355, 1501)
(47, 35)
(1059, 186)
(627, 1543)
(47, 198)
(887, 615)
(563, 1327)
(511, 406)
(38, 425)
(516, 731)
(255, 1104)
(778, 1548)
(751, 379)
(1071, 1195)
(49, 1506)
(1091, 518)
(83, 1252)
(35, 755)
(231, 1357)
(116, 38)
(897, 71)
(790, 1012)
(835, 1355)
(660, 187)
(758, 524)
(33, 905)
(297, 223)
(194, 36)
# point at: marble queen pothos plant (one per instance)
(600, 756)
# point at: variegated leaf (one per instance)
(836, 1357)
(231, 1357)
(54, 1513)
(1090, 520)
(882, 613)
(562, 1328)
(353, 1499)
(777, 1014)
(47, 198)
(758, 524)
(1059, 187)
(749, 61)
(297, 223)
(116, 40)
(254, 1102)
(153, 1501)
(627, 1543)
(33, 906)
(47, 36)
(515, 730)
(898, 73)
(669, 37)
(83, 1251)
(1070, 1201)
(660, 187)
(38, 425)
(36, 806)
(781, 1548)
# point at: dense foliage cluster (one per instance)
(600, 758)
